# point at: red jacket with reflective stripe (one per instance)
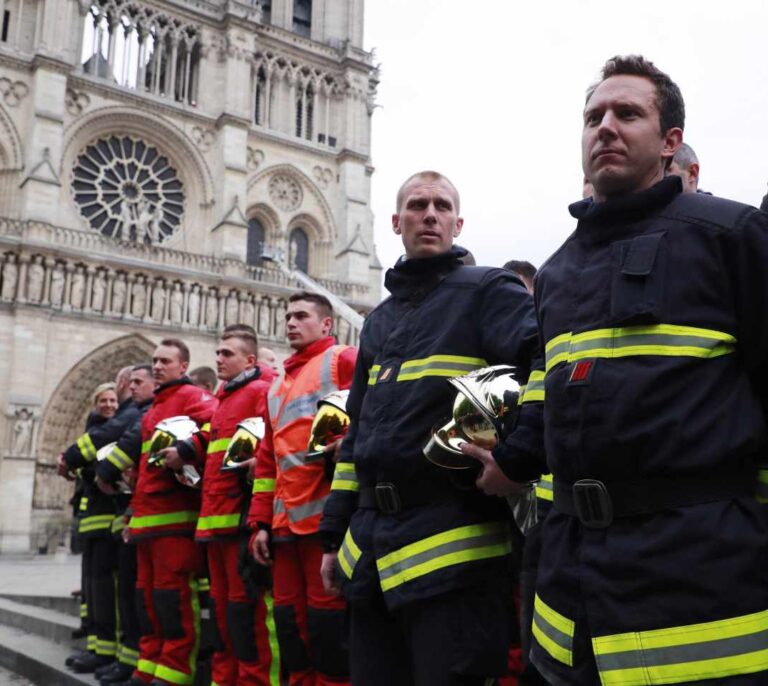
(223, 494)
(161, 505)
(289, 491)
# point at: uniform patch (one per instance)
(384, 375)
(581, 373)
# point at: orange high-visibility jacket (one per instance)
(289, 489)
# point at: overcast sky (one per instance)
(490, 93)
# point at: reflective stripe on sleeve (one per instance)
(696, 652)
(263, 486)
(145, 446)
(553, 632)
(373, 373)
(349, 554)
(86, 447)
(218, 522)
(95, 523)
(544, 488)
(219, 445)
(448, 548)
(149, 521)
(119, 459)
(439, 365)
(534, 389)
(659, 339)
(297, 459)
(345, 477)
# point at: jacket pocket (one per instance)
(637, 280)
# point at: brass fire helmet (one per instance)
(330, 424)
(484, 400)
(244, 444)
(166, 434)
(102, 454)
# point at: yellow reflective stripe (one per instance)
(218, 522)
(105, 647)
(83, 503)
(533, 391)
(544, 488)
(148, 521)
(86, 447)
(118, 524)
(373, 372)
(263, 486)
(349, 554)
(206, 427)
(128, 656)
(219, 445)
(83, 610)
(146, 666)
(145, 446)
(659, 339)
(173, 676)
(762, 485)
(448, 548)
(204, 584)
(553, 631)
(439, 365)
(95, 523)
(119, 459)
(90, 642)
(345, 477)
(695, 652)
(274, 646)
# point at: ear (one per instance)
(396, 223)
(458, 227)
(184, 367)
(673, 139)
(693, 170)
(327, 325)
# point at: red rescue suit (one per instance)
(289, 493)
(163, 522)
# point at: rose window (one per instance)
(128, 190)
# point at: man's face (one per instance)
(304, 324)
(428, 219)
(232, 358)
(167, 364)
(268, 357)
(142, 386)
(689, 175)
(623, 150)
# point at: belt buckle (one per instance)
(387, 498)
(593, 503)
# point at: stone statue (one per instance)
(248, 312)
(148, 219)
(22, 430)
(158, 300)
(264, 318)
(127, 220)
(10, 273)
(280, 318)
(118, 294)
(155, 233)
(177, 304)
(57, 285)
(78, 289)
(35, 279)
(212, 309)
(99, 291)
(139, 297)
(193, 306)
(231, 311)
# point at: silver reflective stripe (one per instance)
(298, 459)
(306, 405)
(310, 509)
(274, 403)
(278, 506)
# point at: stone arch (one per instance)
(327, 225)
(66, 410)
(10, 144)
(151, 127)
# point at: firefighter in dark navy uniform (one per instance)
(652, 313)
(422, 554)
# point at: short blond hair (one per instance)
(103, 388)
(427, 175)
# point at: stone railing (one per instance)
(142, 284)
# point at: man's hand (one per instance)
(329, 573)
(62, 468)
(334, 449)
(491, 481)
(260, 548)
(127, 535)
(172, 459)
(104, 487)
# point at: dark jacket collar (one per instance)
(242, 379)
(183, 381)
(413, 279)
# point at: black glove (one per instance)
(256, 578)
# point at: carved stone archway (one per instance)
(66, 411)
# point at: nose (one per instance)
(430, 214)
(607, 127)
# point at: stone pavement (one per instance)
(9, 679)
(47, 575)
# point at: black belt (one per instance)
(389, 498)
(597, 504)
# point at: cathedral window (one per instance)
(302, 17)
(127, 189)
(305, 112)
(5, 25)
(261, 100)
(298, 254)
(266, 11)
(256, 237)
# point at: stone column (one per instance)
(21, 283)
(111, 273)
(89, 272)
(69, 269)
(49, 265)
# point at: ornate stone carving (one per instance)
(10, 274)
(139, 299)
(78, 289)
(99, 290)
(158, 300)
(212, 309)
(323, 176)
(284, 192)
(193, 306)
(177, 305)
(35, 279)
(23, 432)
(203, 138)
(118, 294)
(13, 92)
(57, 285)
(254, 158)
(231, 314)
(76, 102)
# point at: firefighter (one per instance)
(288, 495)
(653, 313)
(247, 654)
(163, 520)
(119, 465)
(424, 555)
(95, 525)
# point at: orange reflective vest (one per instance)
(300, 486)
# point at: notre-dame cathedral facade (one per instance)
(152, 152)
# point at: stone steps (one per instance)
(67, 606)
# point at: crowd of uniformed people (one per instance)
(632, 443)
